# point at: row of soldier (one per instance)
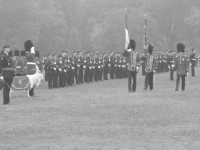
(66, 69)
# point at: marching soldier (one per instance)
(193, 62)
(182, 66)
(6, 73)
(18, 64)
(150, 68)
(133, 61)
(142, 64)
(31, 66)
(80, 62)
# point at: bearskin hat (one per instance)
(180, 47)
(22, 52)
(37, 54)
(28, 45)
(150, 48)
(16, 53)
(132, 44)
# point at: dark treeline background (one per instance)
(90, 25)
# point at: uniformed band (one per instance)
(69, 69)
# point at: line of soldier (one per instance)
(67, 69)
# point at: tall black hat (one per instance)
(16, 53)
(22, 52)
(180, 47)
(28, 45)
(37, 54)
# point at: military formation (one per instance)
(69, 69)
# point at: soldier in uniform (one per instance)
(171, 66)
(193, 62)
(38, 61)
(31, 66)
(65, 68)
(112, 65)
(80, 62)
(96, 72)
(23, 61)
(106, 67)
(49, 65)
(55, 71)
(150, 68)
(18, 64)
(60, 65)
(86, 76)
(182, 66)
(6, 73)
(142, 64)
(133, 61)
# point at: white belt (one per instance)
(18, 67)
(30, 63)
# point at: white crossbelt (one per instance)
(31, 63)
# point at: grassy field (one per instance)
(104, 116)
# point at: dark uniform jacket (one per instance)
(6, 66)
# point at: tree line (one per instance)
(91, 25)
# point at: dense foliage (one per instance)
(91, 25)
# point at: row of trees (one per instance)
(98, 24)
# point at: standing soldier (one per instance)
(49, 70)
(64, 58)
(80, 62)
(106, 67)
(96, 73)
(17, 64)
(38, 61)
(23, 61)
(150, 68)
(100, 67)
(6, 73)
(45, 58)
(55, 72)
(112, 65)
(133, 61)
(69, 70)
(142, 58)
(193, 62)
(31, 66)
(182, 65)
(60, 65)
(171, 64)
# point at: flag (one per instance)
(127, 39)
(145, 33)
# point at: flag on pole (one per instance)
(145, 33)
(127, 39)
